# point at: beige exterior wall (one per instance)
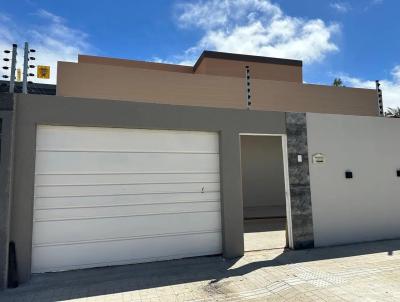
(229, 68)
(106, 81)
(363, 208)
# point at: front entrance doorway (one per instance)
(265, 187)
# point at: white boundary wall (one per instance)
(366, 207)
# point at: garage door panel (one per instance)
(101, 190)
(117, 200)
(98, 162)
(110, 196)
(113, 178)
(130, 210)
(116, 227)
(64, 257)
(94, 138)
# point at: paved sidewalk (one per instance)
(363, 272)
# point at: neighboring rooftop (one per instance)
(33, 88)
(245, 58)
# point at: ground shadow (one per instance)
(264, 224)
(109, 280)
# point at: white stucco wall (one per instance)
(366, 207)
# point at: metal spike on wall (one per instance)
(379, 98)
(248, 87)
(27, 57)
(10, 68)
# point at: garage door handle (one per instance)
(202, 190)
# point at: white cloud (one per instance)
(390, 87)
(256, 27)
(214, 13)
(341, 7)
(4, 17)
(372, 3)
(6, 32)
(48, 15)
(52, 38)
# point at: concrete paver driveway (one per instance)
(362, 272)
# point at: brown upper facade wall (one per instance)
(134, 64)
(218, 63)
(109, 81)
(294, 97)
(135, 84)
(234, 65)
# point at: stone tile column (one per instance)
(299, 180)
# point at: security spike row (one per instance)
(248, 84)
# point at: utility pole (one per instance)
(13, 64)
(25, 73)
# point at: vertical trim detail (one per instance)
(287, 193)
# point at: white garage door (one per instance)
(109, 196)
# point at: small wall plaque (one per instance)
(319, 158)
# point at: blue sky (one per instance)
(356, 40)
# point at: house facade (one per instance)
(134, 162)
